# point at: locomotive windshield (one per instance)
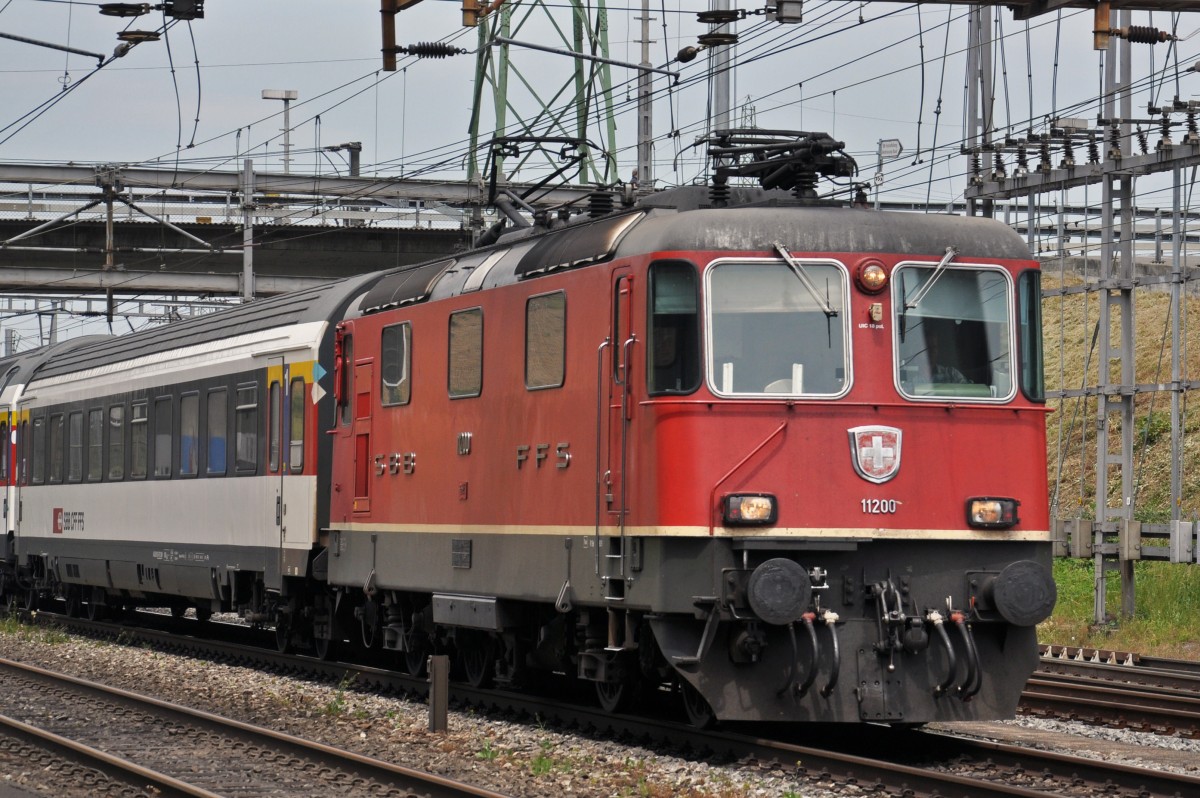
(768, 333)
(953, 333)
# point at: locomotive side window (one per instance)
(346, 383)
(139, 441)
(75, 447)
(545, 340)
(465, 366)
(189, 434)
(95, 466)
(769, 332)
(218, 431)
(396, 346)
(116, 442)
(1033, 380)
(37, 454)
(673, 360)
(163, 443)
(246, 429)
(954, 337)
(296, 395)
(56, 447)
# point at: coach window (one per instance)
(396, 346)
(1029, 291)
(296, 396)
(189, 434)
(673, 353)
(218, 430)
(246, 429)
(163, 442)
(75, 447)
(545, 340)
(465, 366)
(778, 328)
(952, 330)
(37, 454)
(274, 424)
(139, 440)
(116, 443)
(4, 448)
(57, 424)
(95, 465)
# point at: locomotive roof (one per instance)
(321, 303)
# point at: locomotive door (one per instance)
(363, 462)
(622, 340)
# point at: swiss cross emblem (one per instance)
(875, 452)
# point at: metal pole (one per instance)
(248, 230)
(1176, 343)
(439, 692)
(645, 108)
(720, 64)
(287, 130)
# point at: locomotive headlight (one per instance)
(872, 277)
(992, 513)
(750, 509)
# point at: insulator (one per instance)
(1193, 134)
(1022, 162)
(1093, 149)
(718, 194)
(717, 39)
(1165, 141)
(433, 50)
(1068, 154)
(1044, 156)
(976, 168)
(1143, 142)
(600, 203)
(1143, 34)
(998, 172)
(687, 54)
(124, 9)
(1114, 142)
(719, 16)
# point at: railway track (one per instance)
(1116, 689)
(920, 762)
(166, 749)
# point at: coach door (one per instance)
(277, 378)
(617, 399)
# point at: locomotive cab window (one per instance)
(769, 332)
(673, 359)
(953, 333)
(545, 340)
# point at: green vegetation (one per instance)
(1166, 622)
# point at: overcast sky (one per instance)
(886, 77)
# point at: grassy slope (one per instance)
(1166, 622)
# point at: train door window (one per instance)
(673, 353)
(778, 328)
(246, 429)
(218, 432)
(116, 443)
(163, 441)
(75, 447)
(465, 375)
(296, 397)
(95, 435)
(395, 361)
(274, 425)
(189, 434)
(4, 450)
(1033, 379)
(139, 440)
(37, 453)
(953, 334)
(545, 340)
(346, 379)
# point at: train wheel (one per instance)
(283, 631)
(74, 602)
(416, 656)
(614, 696)
(96, 605)
(178, 611)
(476, 651)
(203, 614)
(31, 599)
(699, 713)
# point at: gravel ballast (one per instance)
(514, 758)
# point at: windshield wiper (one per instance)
(951, 254)
(798, 269)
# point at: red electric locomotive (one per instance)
(784, 457)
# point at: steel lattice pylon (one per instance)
(544, 105)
